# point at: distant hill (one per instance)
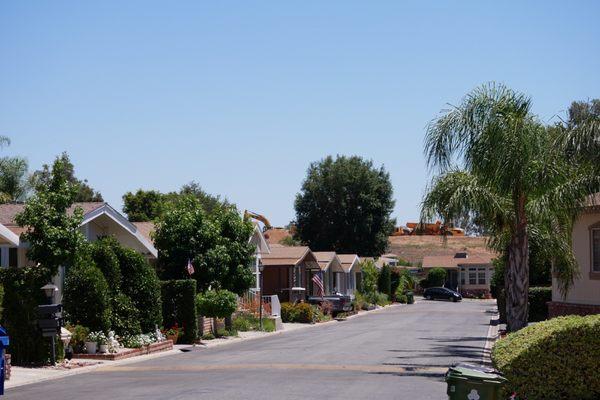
(414, 248)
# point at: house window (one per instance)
(481, 275)
(462, 276)
(596, 250)
(472, 276)
(13, 260)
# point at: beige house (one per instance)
(467, 272)
(584, 296)
(351, 266)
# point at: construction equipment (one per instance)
(258, 217)
(435, 229)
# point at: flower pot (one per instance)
(90, 347)
(173, 338)
(103, 348)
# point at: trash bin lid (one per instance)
(3, 336)
(475, 372)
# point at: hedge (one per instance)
(179, 307)
(554, 359)
(301, 312)
(538, 299)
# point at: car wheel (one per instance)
(454, 299)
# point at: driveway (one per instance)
(399, 352)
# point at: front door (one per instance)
(451, 279)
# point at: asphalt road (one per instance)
(398, 353)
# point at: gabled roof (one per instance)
(146, 229)
(289, 255)
(348, 261)
(592, 202)
(259, 240)
(8, 212)
(452, 261)
(276, 235)
(328, 259)
(8, 236)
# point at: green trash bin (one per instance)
(410, 297)
(472, 382)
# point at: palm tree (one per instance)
(513, 177)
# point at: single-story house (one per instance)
(334, 279)
(288, 271)
(351, 266)
(467, 271)
(584, 296)
(99, 219)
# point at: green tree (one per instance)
(370, 276)
(13, 179)
(384, 281)
(52, 233)
(345, 205)
(216, 243)
(216, 304)
(436, 277)
(579, 135)
(513, 176)
(83, 191)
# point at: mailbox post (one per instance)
(4, 341)
(49, 318)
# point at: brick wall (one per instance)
(557, 308)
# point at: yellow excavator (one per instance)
(259, 217)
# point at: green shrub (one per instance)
(288, 312)
(554, 359)
(370, 276)
(216, 303)
(79, 334)
(268, 325)
(22, 295)
(384, 281)
(208, 336)
(538, 299)
(436, 277)
(106, 260)
(179, 307)
(381, 299)
(245, 322)
(124, 317)
(141, 284)
(86, 297)
(304, 313)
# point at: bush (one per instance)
(124, 317)
(179, 307)
(141, 284)
(538, 297)
(216, 303)
(436, 277)
(79, 334)
(245, 322)
(384, 281)
(301, 312)
(106, 260)
(370, 276)
(22, 295)
(381, 299)
(86, 297)
(555, 359)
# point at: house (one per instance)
(99, 219)
(334, 279)
(584, 296)
(351, 266)
(467, 271)
(287, 272)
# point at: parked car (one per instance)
(441, 293)
(339, 302)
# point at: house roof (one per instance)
(456, 260)
(146, 229)
(348, 261)
(288, 255)
(593, 202)
(276, 235)
(8, 212)
(327, 259)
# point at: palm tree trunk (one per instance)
(516, 282)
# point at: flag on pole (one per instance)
(190, 267)
(319, 284)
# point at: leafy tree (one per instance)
(216, 304)
(514, 177)
(384, 281)
(217, 244)
(83, 191)
(52, 233)
(149, 205)
(370, 276)
(13, 179)
(579, 136)
(436, 277)
(345, 205)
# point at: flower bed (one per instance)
(127, 353)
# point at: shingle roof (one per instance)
(451, 261)
(8, 212)
(347, 261)
(324, 258)
(286, 255)
(276, 235)
(146, 229)
(593, 201)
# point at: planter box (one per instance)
(127, 353)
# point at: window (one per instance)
(13, 257)
(472, 276)
(481, 276)
(462, 276)
(596, 250)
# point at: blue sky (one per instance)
(242, 96)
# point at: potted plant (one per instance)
(173, 333)
(91, 342)
(102, 341)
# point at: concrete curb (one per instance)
(492, 336)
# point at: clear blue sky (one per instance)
(242, 96)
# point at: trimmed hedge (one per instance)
(554, 359)
(538, 299)
(179, 307)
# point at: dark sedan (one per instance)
(442, 294)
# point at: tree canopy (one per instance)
(216, 244)
(345, 205)
(13, 176)
(83, 191)
(514, 177)
(149, 205)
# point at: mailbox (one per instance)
(49, 319)
(4, 342)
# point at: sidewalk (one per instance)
(24, 376)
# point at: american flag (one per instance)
(319, 284)
(190, 267)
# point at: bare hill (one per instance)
(414, 248)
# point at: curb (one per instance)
(492, 336)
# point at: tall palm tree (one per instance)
(513, 177)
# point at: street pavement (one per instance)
(397, 353)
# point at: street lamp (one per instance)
(49, 290)
(261, 268)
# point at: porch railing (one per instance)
(249, 302)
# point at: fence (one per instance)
(249, 302)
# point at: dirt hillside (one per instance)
(414, 248)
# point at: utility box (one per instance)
(473, 382)
(4, 342)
